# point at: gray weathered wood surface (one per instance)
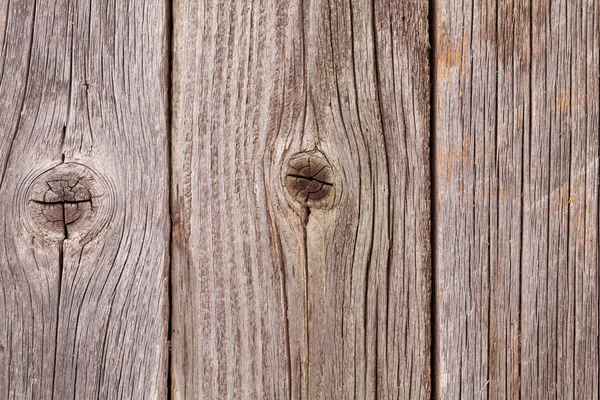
(516, 172)
(295, 239)
(84, 217)
(314, 293)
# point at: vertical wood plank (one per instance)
(465, 194)
(300, 200)
(513, 121)
(516, 163)
(84, 199)
(560, 263)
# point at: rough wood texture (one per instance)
(84, 200)
(517, 127)
(290, 281)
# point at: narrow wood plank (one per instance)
(560, 228)
(464, 172)
(300, 200)
(513, 121)
(84, 200)
(517, 128)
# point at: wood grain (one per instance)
(277, 294)
(516, 172)
(84, 200)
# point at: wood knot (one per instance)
(65, 200)
(310, 180)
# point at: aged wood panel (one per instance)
(516, 172)
(301, 257)
(84, 198)
(560, 278)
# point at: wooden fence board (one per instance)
(516, 160)
(300, 193)
(307, 280)
(84, 198)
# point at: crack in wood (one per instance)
(66, 217)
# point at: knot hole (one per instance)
(65, 200)
(310, 180)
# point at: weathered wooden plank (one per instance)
(300, 200)
(465, 126)
(84, 200)
(560, 227)
(513, 118)
(517, 129)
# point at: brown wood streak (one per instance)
(517, 198)
(273, 298)
(83, 87)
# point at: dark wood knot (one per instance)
(65, 200)
(310, 180)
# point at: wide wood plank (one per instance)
(516, 160)
(301, 255)
(84, 198)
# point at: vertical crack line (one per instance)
(61, 249)
(169, 37)
(434, 349)
(63, 135)
(64, 220)
(306, 302)
(286, 325)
